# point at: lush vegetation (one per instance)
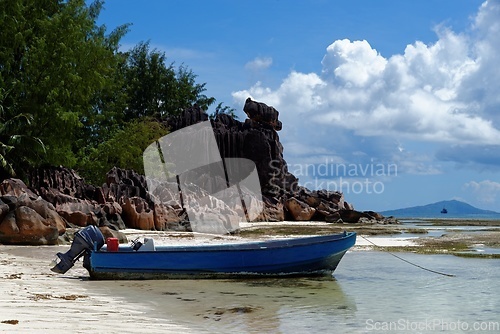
(69, 96)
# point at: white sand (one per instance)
(41, 301)
(33, 299)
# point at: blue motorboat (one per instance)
(301, 256)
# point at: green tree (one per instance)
(69, 97)
(16, 149)
(55, 62)
(159, 90)
(221, 109)
(124, 149)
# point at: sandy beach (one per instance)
(35, 300)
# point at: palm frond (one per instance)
(7, 166)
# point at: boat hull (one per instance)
(309, 256)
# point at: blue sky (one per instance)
(395, 103)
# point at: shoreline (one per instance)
(459, 237)
(34, 299)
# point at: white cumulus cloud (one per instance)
(445, 92)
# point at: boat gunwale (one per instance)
(248, 246)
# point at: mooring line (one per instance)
(409, 262)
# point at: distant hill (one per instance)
(455, 209)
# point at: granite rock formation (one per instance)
(26, 218)
(257, 139)
(58, 198)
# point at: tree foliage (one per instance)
(222, 109)
(156, 89)
(124, 149)
(69, 96)
(16, 148)
(54, 61)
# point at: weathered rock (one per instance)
(167, 217)
(15, 187)
(53, 181)
(299, 210)
(137, 214)
(311, 200)
(352, 216)
(25, 226)
(262, 113)
(333, 217)
(113, 221)
(81, 213)
(189, 116)
(4, 209)
(108, 232)
(375, 215)
(122, 184)
(26, 218)
(262, 146)
(273, 210)
(45, 209)
(111, 208)
(348, 206)
(8, 227)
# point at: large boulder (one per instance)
(79, 213)
(137, 214)
(273, 210)
(262, 113)
(46, 210)
(167, 217)
(15, 187)
(299, 210)
(26, 227)
(353, 216)
(58, 184)
(26, 218)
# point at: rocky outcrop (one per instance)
(257, 139)
(262, 114)
(299, 210)
(123, 201)
(60, 185)
(26, 218)
(273, 210)
(137, 214)
(58, 198)
(161, 211)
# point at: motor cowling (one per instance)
(85, 240)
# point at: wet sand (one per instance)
(33, 299)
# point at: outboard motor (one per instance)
(85, 239)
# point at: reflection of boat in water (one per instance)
(444, 210)
(263, 305)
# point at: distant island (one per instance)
(443, 209)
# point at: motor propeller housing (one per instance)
(86, 239)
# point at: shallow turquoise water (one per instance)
(371, 292)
